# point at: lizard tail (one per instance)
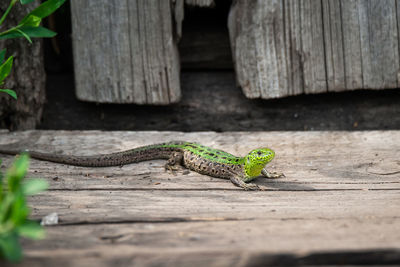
(161, 151)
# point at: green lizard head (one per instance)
(256, 160)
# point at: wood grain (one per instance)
(130, 57)
(340, 199)
(286, 48)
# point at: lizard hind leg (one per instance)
(174, 160)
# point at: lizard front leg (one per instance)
(175, 159)
(239, 182)
(271, 175)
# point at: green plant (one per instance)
(14, 211)
(29, 27)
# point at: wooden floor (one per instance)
(339, 202)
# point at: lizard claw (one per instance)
(251, 187)
(170, 168)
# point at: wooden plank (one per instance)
(293, 48)
(259, 62)
(340, 200)
(191, 242)
(309, 161)
(151, 176)
(333, 41)
(354, 233)
(130, 57)
(286, 48)
(379, 39)
(312, 38)
(107, 206)
(352, 44)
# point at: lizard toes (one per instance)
(252, 187)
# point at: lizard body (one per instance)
(196, 157)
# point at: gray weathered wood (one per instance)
(205, 241)
(300, 158)
(299, 155)
(333, 40)
(27, 78)
(130, 57)
(286, 48)
(341, 194)
(108, 206)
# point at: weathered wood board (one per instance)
(340, 200)
(130, 57)
(284, 48)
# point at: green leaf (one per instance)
(33, 32)
(31, 20)
(23, 2)
(5, 207)
(2, 55)
(32, 230)
(25, 35)
(17, 171)
(34, 186)
(10, 247)
(20, 210)
(44, 9)
(5, 68)
(10, 92)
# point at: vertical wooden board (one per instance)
(130, 57)
(120, 47)
(313, 46)
(278, 47)
(398, 36)
(285, 48)
(270, 49)
(293, 47)
(243, 48)
(92, 63)
(155, 60)
(379, 43)
(80, 51)
(352, 43)
(333, 42)
(257, 32)
(275, 50)
(171, 75)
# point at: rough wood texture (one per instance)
(340, 200)
(286, 48)
(129, 57)
(27, 77)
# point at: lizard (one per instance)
(202, 159)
